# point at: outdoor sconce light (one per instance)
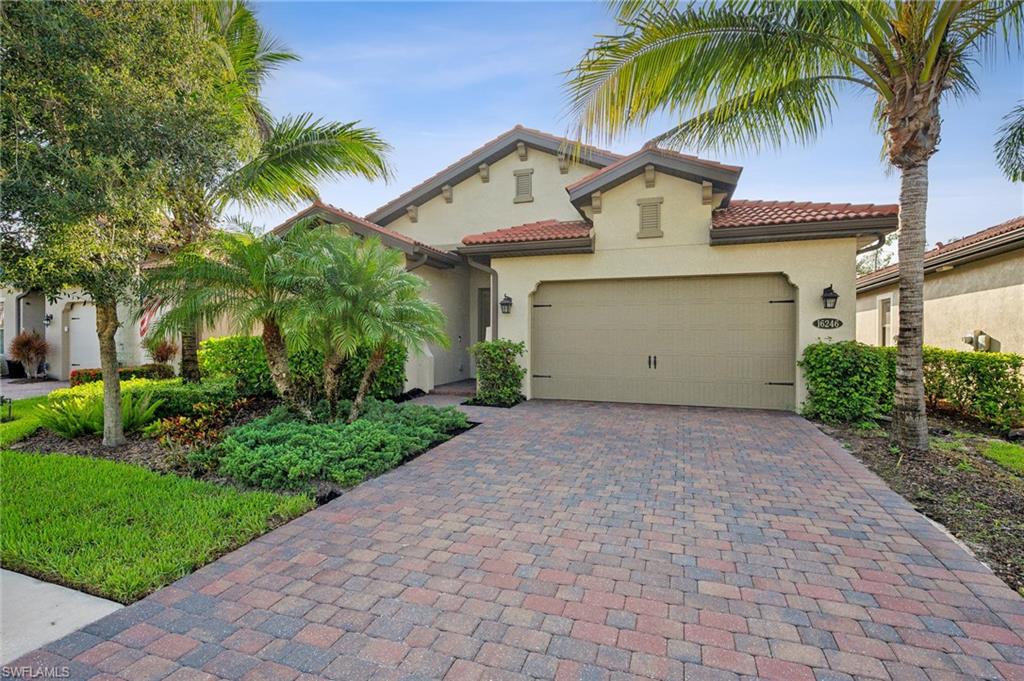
(47, 319)
(505, 304)
(829, 297)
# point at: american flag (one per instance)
(147, 316)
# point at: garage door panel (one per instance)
(719, 341)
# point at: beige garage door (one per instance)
(711, 341)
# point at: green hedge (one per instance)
(499, 377)
(176, 398)
(82, 376)
(243, 359)
(850, 381)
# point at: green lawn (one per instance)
(1007, 455)
(25, 421)
(121, 531)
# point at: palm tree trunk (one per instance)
(333, 364)
(376, 360)
(911, 419)
(277, 360)
(106, 327)
(190, 356)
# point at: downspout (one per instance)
(494, 293)
(878, 243)
(409, 267)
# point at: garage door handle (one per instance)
(655, 361)
(648, 361)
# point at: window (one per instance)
(885, 322)
(524, 185)
(650, 218)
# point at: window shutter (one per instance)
(650, 218)
(524, 185)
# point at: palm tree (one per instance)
(758, 73)
(242, 277)
(385, 307)
(278, 161)
(1010, 145)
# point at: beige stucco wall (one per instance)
(435, 365)
(479, 206)
(684, 250)
(985, 295)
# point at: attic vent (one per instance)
(650, 218)
(524, 185)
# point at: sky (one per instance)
(438, 80)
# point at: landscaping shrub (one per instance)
(499, 377)
(243, 358)
(281, 452)
(162, 350)
(29, 348)
(153, 371)
(850, 381)
(203, 427)
(181, 399)
(83, 414)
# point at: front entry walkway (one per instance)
(586, 541)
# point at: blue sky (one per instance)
(439, 79)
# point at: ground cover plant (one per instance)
(120, 531)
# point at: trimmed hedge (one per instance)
(499, 377)
(176, 398)
(154, 371)
(850, 381)
(242, 358)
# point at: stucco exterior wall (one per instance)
(479, 206)
(435, 365)
(683, 251)
(985, 295)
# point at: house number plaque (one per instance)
(827, 323)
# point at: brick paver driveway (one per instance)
(587, 541)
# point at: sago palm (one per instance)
(755, 74)
(240, 277)
(278, 161)
(385, 306)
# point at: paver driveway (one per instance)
(590, 541)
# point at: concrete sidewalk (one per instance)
(18, 388)
(34, 613)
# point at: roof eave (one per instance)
(583, 244)
(722, 179)
(1003, 243)
(490, 153)
(828, 229)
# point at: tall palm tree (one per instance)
(278, 161)
(242, 277)
(759, 73)
(385, 307)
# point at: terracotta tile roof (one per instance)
(942, 249)
(664, 152)
(414, 191)
(545, 230)
(352, 217)
(740, 213)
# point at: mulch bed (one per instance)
(976, 499)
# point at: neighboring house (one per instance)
(973, 287)
(630, 278)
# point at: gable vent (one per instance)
(650, 218)
(524, 186)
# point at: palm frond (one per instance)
(1010, 145)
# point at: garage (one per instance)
(723, 341)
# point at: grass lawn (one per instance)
(121, 531)
(25, 422)
(1007, 455)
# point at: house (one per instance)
(632, 278)
(973, 294)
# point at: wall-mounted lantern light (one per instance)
(505, 304)
(47, 319)
(829, 297)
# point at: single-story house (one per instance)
(633, 278)
(973, 294)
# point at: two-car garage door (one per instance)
(714, 341)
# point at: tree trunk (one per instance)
(277, 360)
(106, 327)
(376, 360)
(190, 356)
(911, 419)
(333, 364)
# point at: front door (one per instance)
(483, 313)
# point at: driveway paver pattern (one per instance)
(585, 541)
